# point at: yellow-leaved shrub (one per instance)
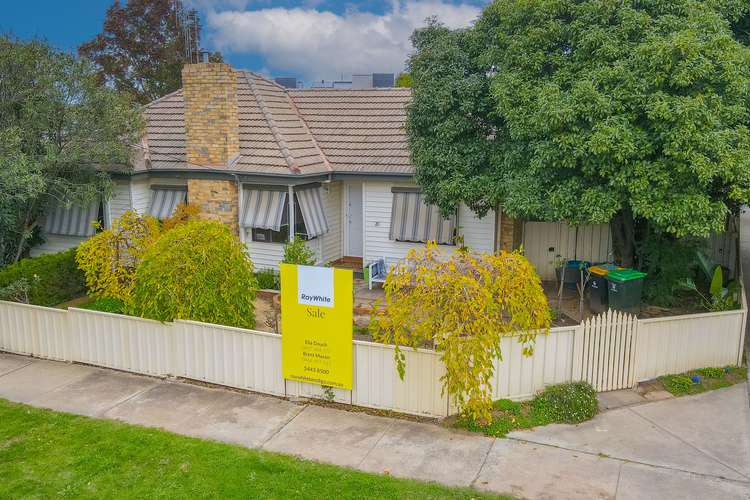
(184, 212)
(462, 305)
(109, 259)
(196, 271)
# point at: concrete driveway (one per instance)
(693, 447)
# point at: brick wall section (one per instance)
(211, 117)
(217, 199)
(510, 234)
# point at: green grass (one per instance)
(46, 454)
(104, 305)
(709, 379)
(563, 403)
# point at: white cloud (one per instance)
(316, 44)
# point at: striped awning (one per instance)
(73, 221)
(263, 208)
(311, 206)
(413, 220)
(164, 201)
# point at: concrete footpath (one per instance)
(692, 447)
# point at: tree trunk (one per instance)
(25, 235)
(623, 237)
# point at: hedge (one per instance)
(59, 279)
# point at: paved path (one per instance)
(696, 447)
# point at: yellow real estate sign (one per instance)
(316, 325)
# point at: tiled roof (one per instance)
(358, 130)
(287, 132)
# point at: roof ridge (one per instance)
(258, 75)
(307, 127)
(280, 141)
(162, 97)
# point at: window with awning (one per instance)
(312, 211)
(414, 220)
(264, 209)
(266, 212)
(164, 201)
(73, 221)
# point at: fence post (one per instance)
(743, 322)
(577, 372)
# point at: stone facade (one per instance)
(218, 200)
(510, 233)
(212, 137)
(211, 116)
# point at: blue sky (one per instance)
(310, 39)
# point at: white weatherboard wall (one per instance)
(140, 194)
(120, 201)
(251, 360)
(56, 243)
(263, 255)
(331, 242)
(479, 234)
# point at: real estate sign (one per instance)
(316, 325)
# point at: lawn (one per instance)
(50, 454)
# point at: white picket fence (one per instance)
(611, 351)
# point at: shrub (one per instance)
(677, 384)
(268, 279)
(463, 304)
(184, 212)
(711, 372)
(297, 252)
(567, 403)
(197, 271)
(17, 291)
(669, 262)
(49, 279)
(110, 258)
(105, 305)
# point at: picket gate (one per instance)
(606, 350)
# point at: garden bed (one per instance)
(696, 381)
(570, 403)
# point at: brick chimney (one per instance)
(212, 136)
(212, 125)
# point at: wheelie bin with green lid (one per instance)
(598, 286)
(624, 290)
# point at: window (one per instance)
(74, 221)
(164, 200)
(265, 213)
(269, 235)
(414, 221)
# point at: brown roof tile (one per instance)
(286, 132)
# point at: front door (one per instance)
(354, 235)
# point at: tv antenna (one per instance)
(188, 23)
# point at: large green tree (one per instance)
(587, 111)
(59, 131)
(142, 47)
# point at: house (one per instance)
(331, 165)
